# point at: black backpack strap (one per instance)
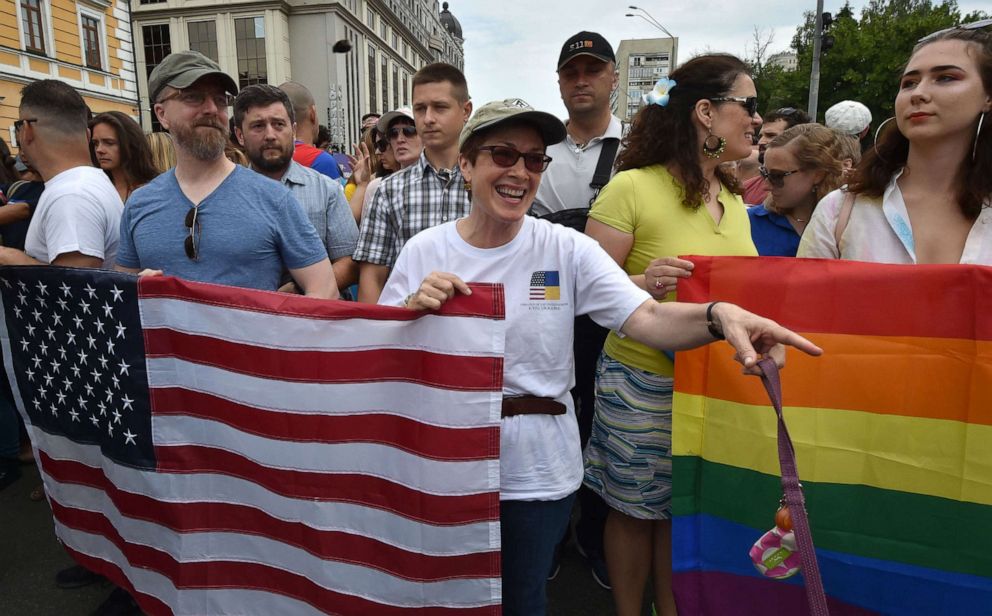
(604, 168)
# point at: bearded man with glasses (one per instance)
(240, 228)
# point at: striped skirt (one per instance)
(628, 460)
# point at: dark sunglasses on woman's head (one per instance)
(776, 178)
(507, 157)
(408, 131)
(975, 25)
(193, 239)
(749, 103)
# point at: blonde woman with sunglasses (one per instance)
(802, 165)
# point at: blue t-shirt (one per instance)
(772, 233)
(250, 227)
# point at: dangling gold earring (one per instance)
(468, 186)
(711, 149)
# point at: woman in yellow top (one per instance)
(670, 197)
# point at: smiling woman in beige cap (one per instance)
(550, 274)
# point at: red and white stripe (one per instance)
(313, 457)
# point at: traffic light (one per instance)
(827, 41)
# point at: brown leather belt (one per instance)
(531, 405)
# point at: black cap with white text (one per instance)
(586, 44)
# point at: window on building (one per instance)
(382, 29)
(385, 82)
(33, 23)
(396, 87)
(249, 36)
(373, 87)
(157, 44)
(203, 38)
(406, 92)
(150, 1)
(92, 56)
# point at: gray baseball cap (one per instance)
(496, 112)
(184, 68)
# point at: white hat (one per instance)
(849, 117)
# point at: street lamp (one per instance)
(654, 22)
(648, 17)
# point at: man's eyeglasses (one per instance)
(195, 98)
(776, 178)
(507, 157)
(192, 243)
(975, 25)
(749, 103)
(408, 131)
(19, 124)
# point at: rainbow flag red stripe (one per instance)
(892, 428)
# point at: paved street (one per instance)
(31, 556)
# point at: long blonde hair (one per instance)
(163, 151)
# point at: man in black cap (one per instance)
(240, 228)
(583, 163)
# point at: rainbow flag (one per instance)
(892, 428)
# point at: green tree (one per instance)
(867, 58)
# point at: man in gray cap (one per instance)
(240, 228)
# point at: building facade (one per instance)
(273, 41)
(641, 62)
(85, 43)
(787, 60)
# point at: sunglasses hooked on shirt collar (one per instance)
(750, 103)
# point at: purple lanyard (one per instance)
(794, 494)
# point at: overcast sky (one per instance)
(512, 46)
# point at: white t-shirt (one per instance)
(79, 211)
(550, 274)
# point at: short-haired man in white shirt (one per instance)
(77, 221)
(587, 75)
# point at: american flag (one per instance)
(220, 450)
(544, 286)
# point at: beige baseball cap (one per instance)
(496, 112)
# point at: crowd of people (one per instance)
(591, 212)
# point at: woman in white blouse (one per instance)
(924, 193)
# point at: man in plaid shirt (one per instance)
(425, 194)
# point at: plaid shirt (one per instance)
(406, 203)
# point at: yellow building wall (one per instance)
(66, 26)
(8, 24)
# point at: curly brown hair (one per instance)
(667, 135)
(891, 151)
